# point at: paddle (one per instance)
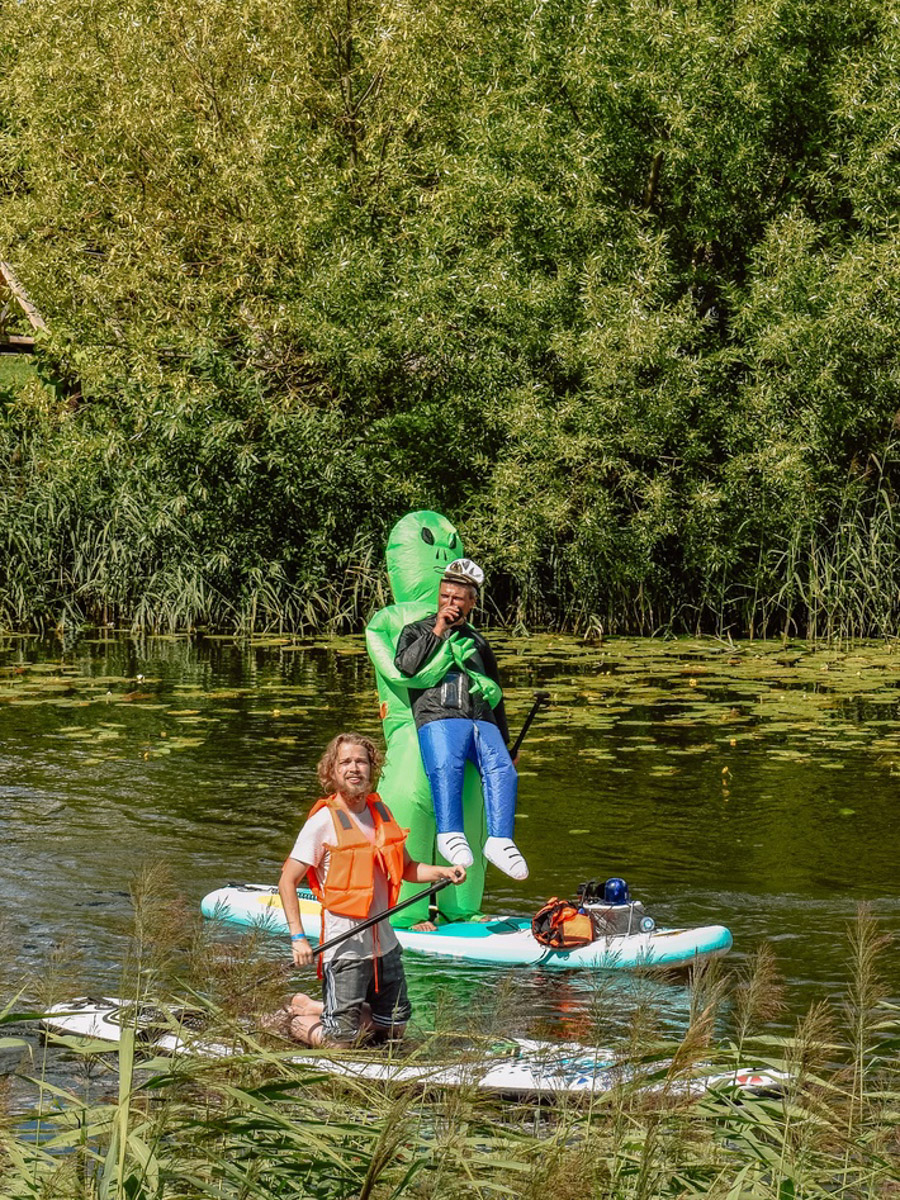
(541, 699)
(388, 912)
(285, 968)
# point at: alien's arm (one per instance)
(382, 637)
(416, 647)
(422, 655)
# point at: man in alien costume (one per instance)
(420, 547)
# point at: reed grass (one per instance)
(92, 548)
(259, 1125)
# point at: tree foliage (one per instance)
(614, 284)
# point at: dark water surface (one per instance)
(750, 785)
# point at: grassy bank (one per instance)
(16, 371)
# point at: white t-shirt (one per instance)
(310, 848)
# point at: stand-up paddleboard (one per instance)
(515, 1066)
(506, 941)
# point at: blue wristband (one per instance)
(296, 937)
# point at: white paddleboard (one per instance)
(506, 940)
(517, 1066)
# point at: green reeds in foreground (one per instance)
(257, 1125)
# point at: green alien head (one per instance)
(419, 546)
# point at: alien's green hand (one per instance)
(482, 685)
(461, 648)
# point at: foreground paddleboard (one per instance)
(507, 941)
(517, 1066)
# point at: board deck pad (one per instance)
(504, 940)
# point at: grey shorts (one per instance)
(348, 983)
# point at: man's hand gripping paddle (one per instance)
(541, 700)
(287, 968)
(388, 912)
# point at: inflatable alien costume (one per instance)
(419, 547)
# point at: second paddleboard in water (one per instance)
(513, 1066)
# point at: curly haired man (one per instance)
(353, 853)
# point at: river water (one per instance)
(753, 785)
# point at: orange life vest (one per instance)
(349, 886)
(559, 924)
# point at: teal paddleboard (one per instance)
(504, 940)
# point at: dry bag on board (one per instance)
(560, 925)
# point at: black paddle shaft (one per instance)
(541, 700)
(388, 912)
(335, 941)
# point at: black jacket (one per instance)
(451, 697)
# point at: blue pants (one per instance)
(445, 746)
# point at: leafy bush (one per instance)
(614, 286)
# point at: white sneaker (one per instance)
(455, 848)
(505, 854)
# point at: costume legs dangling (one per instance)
(446, 745)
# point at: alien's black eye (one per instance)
(427, 537)
(452, 542)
